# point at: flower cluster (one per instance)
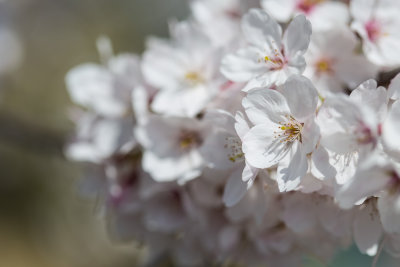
(258, 133)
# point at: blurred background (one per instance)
(44, 221)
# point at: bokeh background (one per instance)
(44, 219)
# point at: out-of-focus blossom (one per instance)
(377, 22)
(323, 15)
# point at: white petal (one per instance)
(369, 95)
(328, 15)
(301, 96)
(370, 178)
(168, 169)
(355, 69)
(391, 132)
(92, 86)
(292, 169)
(249, 174)
(394, 88)
(389, 210)
(299, 213)
(310, 135)
(241, 125)
(235, 188)
(361, 9)
(217, 152)
(162, 68)
(265, 104)
(367, 230)
(261, 148)
(185, 102)
(282, 10)
(258, 28)
(242, 65)
(321, 168)
(297, 37)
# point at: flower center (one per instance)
(193, 78)
(275, 62)
(307, 5)
(234, 145)
(374, 30)
(323, 66)
(189, 140)
(289, 131)
(364, 135)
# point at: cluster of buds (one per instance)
(257, 134)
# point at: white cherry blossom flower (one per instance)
(377, 22)
(172, 148)
(222, 149)
(285, 130)
(184, 70)
(105, 89)
(375, 177)
(99, 138)
(332, 63)
(323, 14)
(269, 57)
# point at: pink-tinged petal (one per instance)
(261, 147)
(259, 28)
(235, 188)
(367, 230)
(391, 131)
(265, 104)
(394, 88)
(297, 37)
(242, 65)
(292, 169)
(301, 96)
(370, 178)
(389, 210)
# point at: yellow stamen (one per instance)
(186, 142)
(323, 66)
(193, 77)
